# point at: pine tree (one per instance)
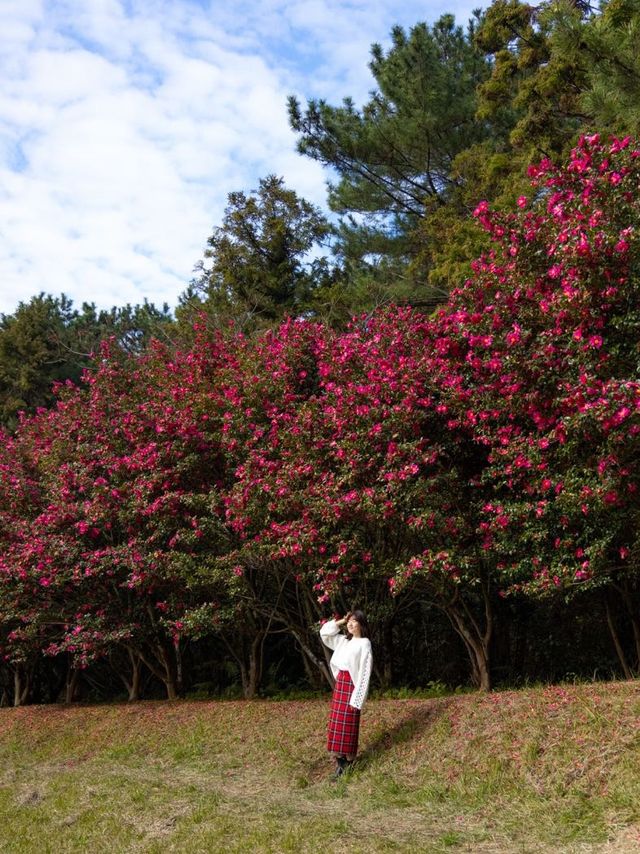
(395, 156)
(46, 341)
(258, 266)
(607, 46)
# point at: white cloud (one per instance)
(124, 124)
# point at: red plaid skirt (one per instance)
(344, 720)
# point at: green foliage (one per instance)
(395, 156)
(455, 118)
(47, 341)
(257, 268)
(33, 355)
(534, 87)
(559, 68)
(608, 46)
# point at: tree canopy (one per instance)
(439, 421)
(395, 156)
(47, 341)
(482, 455)
(259, 264)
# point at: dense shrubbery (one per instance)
(470, 462)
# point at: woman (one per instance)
(351, 666)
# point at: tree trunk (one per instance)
(628, 673)
(387, 666)
(165, 664)
(178, 665)
(133, 684)
(21, 686)
(476, 641)
(17, 687)
(310, 657)
(71, 684)
(136, 678)
(311, 616)
(171, 670)
(253, 678)
(251, 671)
(316, 678)
(635, 624)
(249, 657)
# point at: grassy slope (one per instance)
(548, 769)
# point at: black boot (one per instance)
(341, 766)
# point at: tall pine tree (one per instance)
(395, 156)
(259, 265)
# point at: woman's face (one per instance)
(353, 627)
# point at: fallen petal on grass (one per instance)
(478, 773)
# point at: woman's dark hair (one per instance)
(365, 631)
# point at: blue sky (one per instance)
(125, 124)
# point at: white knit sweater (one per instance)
(352, 654)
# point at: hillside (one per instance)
(545, 769)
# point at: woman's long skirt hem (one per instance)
(344, 720)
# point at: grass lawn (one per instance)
(539, 770)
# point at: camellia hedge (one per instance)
(253, 485)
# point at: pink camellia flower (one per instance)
(583, 244)
(619, 145)
(515, 336)
(522, 201)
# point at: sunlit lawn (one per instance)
(555, 769)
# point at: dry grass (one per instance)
(542, 770)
